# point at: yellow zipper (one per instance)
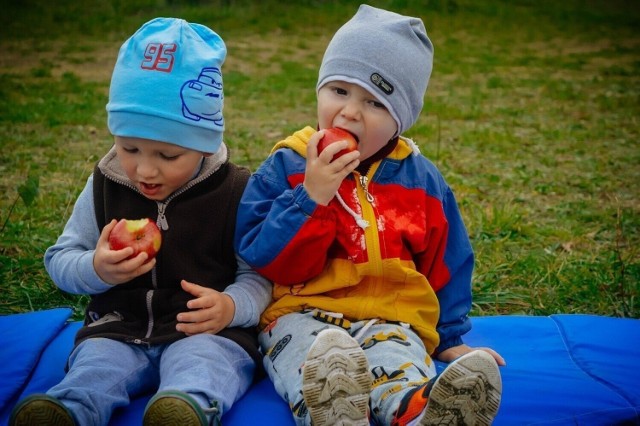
(371, 235)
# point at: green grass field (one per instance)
(532, 115)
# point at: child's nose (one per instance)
(146, 169)
(351, 110)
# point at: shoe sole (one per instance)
(336, 381)
(172, 410)
(467, 392)
(40, 410)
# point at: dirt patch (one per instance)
(90, 61)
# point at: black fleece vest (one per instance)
(197, 247)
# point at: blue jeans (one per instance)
(397, 358)
(105, 373)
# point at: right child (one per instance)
(370, 258)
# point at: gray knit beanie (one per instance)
(387, 54)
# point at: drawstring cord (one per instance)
(362, 223)
(414, 147)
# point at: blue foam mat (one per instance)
(24, 337)
(561, 370)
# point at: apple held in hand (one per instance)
(142, 235)
(334, 135)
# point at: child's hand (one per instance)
(112, 266)
(323, 177)
(454, 352)
(211, 311)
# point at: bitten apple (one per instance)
(336, 134)
(142, 235)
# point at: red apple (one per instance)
(142, 235)
(334, 135)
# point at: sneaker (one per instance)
(336, 381)
(174, 408)
(40, 410)
(467, 392)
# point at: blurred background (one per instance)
(532, 114)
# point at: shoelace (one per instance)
(364, 328)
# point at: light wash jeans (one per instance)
(397, 358)
(105, 373)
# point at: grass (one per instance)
(532, 115)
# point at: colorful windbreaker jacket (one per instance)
(391, 245)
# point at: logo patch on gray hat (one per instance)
(381, 83)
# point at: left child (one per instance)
(183, 323)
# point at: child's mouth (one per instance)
(149, 188)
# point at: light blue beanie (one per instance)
(167, 85)
(387, 54)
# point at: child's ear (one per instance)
(206, 154)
